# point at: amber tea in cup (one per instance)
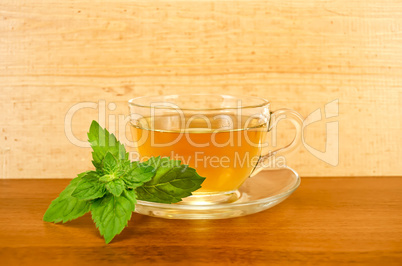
(220, 136)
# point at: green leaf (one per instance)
(102, 142)
(66, 207)
(161, 165)
(111, 214)
(89, 187)
(171, 183)
(115, 187)
(109, 191)
(136, 174)
(110, 164)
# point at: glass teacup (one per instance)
(221, 136)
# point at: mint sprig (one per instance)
(111, 191)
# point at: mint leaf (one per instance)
(110, 164)
(171, 182)
(102, 142)
(136, 174)
(66, 207)
(111, 191)
(89, 187)
(115, 187)
(161, 165)
(111, 214)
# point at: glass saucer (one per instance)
(260, 192)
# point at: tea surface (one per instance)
(222, 148)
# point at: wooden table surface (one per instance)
(326, 221)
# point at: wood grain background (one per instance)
(301, 55)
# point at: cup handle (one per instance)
(276, 116)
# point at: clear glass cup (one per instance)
(221, 136)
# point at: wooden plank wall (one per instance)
(299, 54)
